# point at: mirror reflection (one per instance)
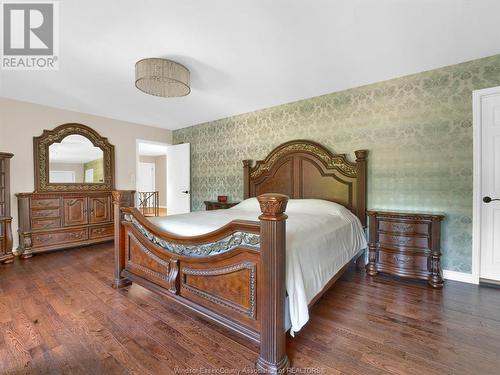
(75, 160)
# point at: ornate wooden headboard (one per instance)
(305, 169)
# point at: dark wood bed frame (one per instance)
(242, 288)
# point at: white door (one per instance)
(490, 186)
(146, 180)
(178, 179)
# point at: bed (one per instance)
(257, 267)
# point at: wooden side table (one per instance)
(215, 205)
(405, 244)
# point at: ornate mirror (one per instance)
(73, 157)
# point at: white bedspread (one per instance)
(321, 237)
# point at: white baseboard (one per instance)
(459, 276)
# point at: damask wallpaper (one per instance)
(417, 128)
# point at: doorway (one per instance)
(151, 181)
(486, 205)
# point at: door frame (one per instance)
(138, 141)
(477, 202)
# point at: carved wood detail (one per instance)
(252, 280)
(145, 262)
(338, 161)
(46, 220)
(41, 159)
(305, 169)
(406, 244)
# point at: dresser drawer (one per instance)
(406, 261)
(60, 237)
(45, 223)
(49, 212)
(101, 232)
(45, 203)
(403, 228)
(400, 240)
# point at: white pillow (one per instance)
(310, 206)
(315, 206)
(250, 204)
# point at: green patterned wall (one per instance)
(418, 129)
(98, 167)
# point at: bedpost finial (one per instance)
(361, 154)
(122, 197)
(273, 206)
(117, 196)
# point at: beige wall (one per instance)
(21, 121)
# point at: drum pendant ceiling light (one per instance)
(162, 77)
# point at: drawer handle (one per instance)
(403, 228)
(401, 240)
(402, 259)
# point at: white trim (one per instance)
(476, 189)
(460, 276)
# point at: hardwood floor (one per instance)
(57, 317)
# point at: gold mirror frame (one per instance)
(41, 159)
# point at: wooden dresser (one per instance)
(72, 202)
(53, 221)
(215, 205)
(405, 244)
(6, 255)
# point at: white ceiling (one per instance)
(248, 54)
(74, 149)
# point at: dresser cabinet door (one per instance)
(75, 211)
(100, 209)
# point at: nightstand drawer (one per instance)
(414, 262)
(399, 240)
(403, 228)
(214, 205)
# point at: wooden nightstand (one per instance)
(405, 244)
(214, 205)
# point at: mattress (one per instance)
(321, 238)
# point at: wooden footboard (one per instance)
(234, 276)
